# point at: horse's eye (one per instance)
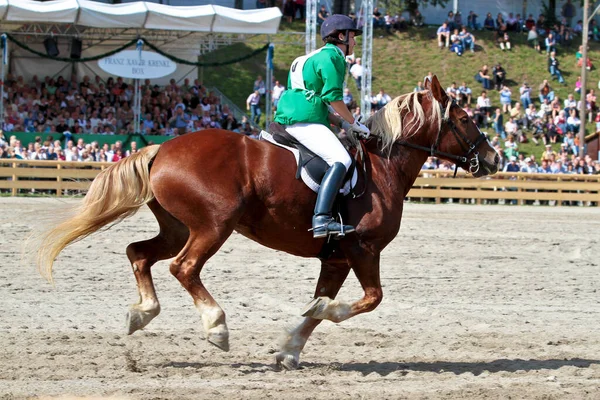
(464, 120)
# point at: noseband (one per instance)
(467, 146)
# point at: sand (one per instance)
(489, 302)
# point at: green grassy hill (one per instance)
(402, 59)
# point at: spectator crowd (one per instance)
(515, 115)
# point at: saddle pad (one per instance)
(308, 181)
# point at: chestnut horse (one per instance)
(203, 186)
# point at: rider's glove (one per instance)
(360, 129)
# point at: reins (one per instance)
(466, 145)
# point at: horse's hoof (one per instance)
(287, 361)
(219, 337)
(137, 319)
(315, 308)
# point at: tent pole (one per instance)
(136, 109)
(4, 61)
(2, 98)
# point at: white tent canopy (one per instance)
(143, 15)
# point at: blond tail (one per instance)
(115, 194)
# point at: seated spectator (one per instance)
(499, 76)
(378, 20)
(417, 19)
(485, 106)
(549, 154)
(389, 22)
(579, 59)
(499, 123)
(467, 39)
(590, 99)
(533, 39)
(578, 85)
(322, 14)
(483, 77)
(570, 143)
(450, 21)
(443, 35)
(512, 23)
(511, 148)
(420, 87)
(517, 113)
(399, 23)
(511, 128)
(540, 24)
(555, 106)
(573, 122)
(500, 23)
(452, 91)
(458, 22)
(504, 41)
(525, 95)
(550, 43)
(545, 110)
(505, 99)
(381, 99)
(578, 28)
(570, 103)
(472, 21)
(546, 92)
(464, 93)
(348, 99)
(456, 46)
(488, 23)
(561, 122)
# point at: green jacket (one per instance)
(315, 80)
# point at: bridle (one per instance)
(467, 146)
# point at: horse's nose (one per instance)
(497, 159)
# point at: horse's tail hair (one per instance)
(115, 194)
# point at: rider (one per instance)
(316, 81)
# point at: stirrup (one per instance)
(326, 232)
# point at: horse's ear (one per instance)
(436, 89)
(427, 83)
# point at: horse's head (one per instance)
(458, 138)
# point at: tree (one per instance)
(399, 6)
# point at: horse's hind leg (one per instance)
(330, 281)
(187, 267)
(142, 255)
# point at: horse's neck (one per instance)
(399, 171)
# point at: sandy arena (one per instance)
(489, 302)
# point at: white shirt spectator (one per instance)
(277, 90)
(356, 70)
(510, 127)
(483, 102)
(573, 120)
(570, 103)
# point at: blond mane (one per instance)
(393, 122)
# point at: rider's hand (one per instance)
(360, 129)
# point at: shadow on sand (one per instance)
(388, 367)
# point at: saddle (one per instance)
(313, 165)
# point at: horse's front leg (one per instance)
(365, 265)
(332, 276)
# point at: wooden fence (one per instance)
(65, 178)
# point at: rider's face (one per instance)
(351, 41)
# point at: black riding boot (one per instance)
(323, 224)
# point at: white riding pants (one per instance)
(321, 141)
